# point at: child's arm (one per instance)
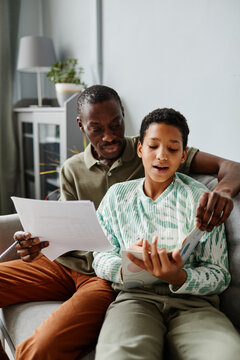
(215, 207)
(209, 274)
(107, 265)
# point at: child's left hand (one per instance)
(157, 262)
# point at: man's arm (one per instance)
(215, 207)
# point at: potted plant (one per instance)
(66, 75)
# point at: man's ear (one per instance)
(184, 156)
(80, 124)
(139, 149)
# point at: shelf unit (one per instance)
(47, 137)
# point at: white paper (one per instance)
(67, 225)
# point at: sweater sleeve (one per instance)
(210, 275)
(107, 265)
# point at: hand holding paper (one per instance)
(29, 248)
(68, 226)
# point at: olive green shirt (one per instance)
(83, 177)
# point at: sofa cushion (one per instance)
(9, 224)
(21, 319)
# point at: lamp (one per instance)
(36, 54)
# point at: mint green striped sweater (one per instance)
(127, 214)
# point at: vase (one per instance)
(65, 90)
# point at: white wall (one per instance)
(181, 54)
(69, 24)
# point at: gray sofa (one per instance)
(18, 321)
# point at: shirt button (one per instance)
(109, 173)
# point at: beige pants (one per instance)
(142, 325)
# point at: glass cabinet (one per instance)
(49, 160)
(27, 145)
(47, 137)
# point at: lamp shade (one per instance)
(36, 54)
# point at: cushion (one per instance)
(9, 224)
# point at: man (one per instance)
(73, 328)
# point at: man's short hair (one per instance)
(169, 117)
(97, 94)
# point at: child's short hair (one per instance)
(169, 117)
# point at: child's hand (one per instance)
(138, 246)
(157, 263)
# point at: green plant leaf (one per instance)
(67, 71)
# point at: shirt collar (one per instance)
(89, 159)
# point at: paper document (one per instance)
(67, 225)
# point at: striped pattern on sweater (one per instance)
(127, 214)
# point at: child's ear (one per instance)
(184, 156)
(139, 149)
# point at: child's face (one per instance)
(162, 153)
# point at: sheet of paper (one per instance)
(67, 225)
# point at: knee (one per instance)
(101, 292)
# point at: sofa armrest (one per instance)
(9, 224)
(229, 299)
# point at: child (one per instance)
(183, 308)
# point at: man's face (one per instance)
(162, 153)
(104, 126)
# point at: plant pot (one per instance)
(65, 90)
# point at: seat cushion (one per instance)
(20, 320)
(9, 224)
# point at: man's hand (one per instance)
(157, 262)
(29, 249)
(213, 209)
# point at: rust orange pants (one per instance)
(72, 330)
